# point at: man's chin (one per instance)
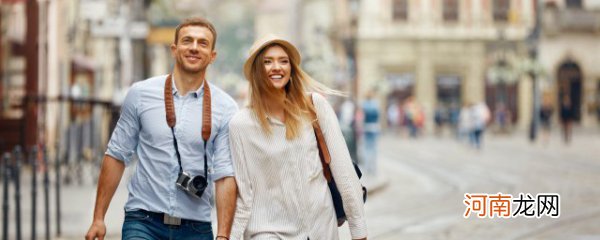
(192, 70)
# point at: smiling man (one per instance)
(177, 125)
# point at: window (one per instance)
(400, 10)
(450, 9)
(574, 4)
(500, 10)
(448, 89)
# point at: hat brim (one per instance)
(261, 44)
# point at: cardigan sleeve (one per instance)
(341, 166)
(245, 191)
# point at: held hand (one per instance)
(97, 231)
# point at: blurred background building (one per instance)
(66, 65)
(445, 52)
(569, 53)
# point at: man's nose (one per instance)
(194, 45)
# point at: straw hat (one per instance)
(265, 41)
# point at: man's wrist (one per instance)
(221, 237)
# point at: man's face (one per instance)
(193, 50)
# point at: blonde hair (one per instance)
(296, 102)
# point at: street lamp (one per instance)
(350, 45)
(502, 72)
(532, 42)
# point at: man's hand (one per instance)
(108, 181)
(96, 231)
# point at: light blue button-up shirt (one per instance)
(143, 129)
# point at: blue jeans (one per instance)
(370, 152)
(144, 225)
(475, 137)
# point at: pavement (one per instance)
(77, 202)
(418, 192)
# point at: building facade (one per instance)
(570, 51)
(445, 52)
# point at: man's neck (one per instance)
(186, 82)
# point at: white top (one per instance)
(283, 193)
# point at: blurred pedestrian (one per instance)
(413, 116)
(346, 114)
(502, 117)
(440, 116)
(465, 122)
(170, 193)
(567, 116)
(370, 108)
(480, 115)
(282, 191)
(347, 119)
(393, 117)
(454, 117)
(545, 118)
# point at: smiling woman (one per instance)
(282, 191)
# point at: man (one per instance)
(157, 207)
(371, 129)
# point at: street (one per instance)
(429, 177)
(423, 198)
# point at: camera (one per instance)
(193, 185)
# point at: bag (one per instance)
(325, 160)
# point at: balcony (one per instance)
(571, 20)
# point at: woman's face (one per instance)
(277, 65)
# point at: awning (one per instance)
(82, 63)
(161, 35)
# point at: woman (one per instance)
(282, 193)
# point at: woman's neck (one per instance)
(186, 83)
(275, 108)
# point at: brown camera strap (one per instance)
(322, 145)
(206, 118)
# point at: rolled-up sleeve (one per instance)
(125, 136)
(341, 168)
(222, 164)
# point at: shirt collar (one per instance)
(198, 93)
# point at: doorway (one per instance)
(570, 88)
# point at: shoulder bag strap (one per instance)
(321, 144)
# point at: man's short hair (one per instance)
(197, 21)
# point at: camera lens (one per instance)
(199, 182)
